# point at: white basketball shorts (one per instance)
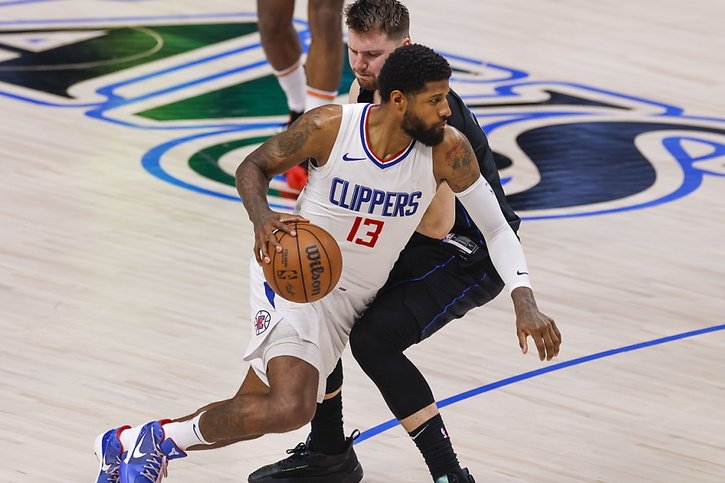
(315, 332)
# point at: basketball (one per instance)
(307, 268)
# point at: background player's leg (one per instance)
(325, 56)
(282, 47)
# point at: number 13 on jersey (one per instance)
(365, 231)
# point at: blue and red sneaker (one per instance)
(108, 451)
(146, 461)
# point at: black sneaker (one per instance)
(305, 466)
(462, 476)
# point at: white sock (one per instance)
(128, 437)
(317, 97)
(292, 80)
(185, 433)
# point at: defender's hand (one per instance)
(542, 329)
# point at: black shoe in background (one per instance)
(462, 476)
(305, 466)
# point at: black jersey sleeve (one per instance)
(365, 95)
(465, 121)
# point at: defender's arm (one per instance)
(456, 163)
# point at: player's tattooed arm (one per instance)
(276, 155)
(310, 136)
(456, 161)
(307, 137)
(290, 147)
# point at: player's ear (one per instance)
(406, 41)
(398, 100)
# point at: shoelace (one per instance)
(114, 471)
(299, 450)
(155, 468)
(302, 450)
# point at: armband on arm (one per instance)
(503, 245)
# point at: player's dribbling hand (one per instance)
(264, 232)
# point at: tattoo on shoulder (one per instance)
(289, 142)
(296, 135)
(463, 163)
(458, 157)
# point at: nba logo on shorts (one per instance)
(261, 321)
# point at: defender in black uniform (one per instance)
(433, 282)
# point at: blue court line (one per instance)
(380, 428)
(108, 90)
(38, 102)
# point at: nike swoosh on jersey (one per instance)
(519, 272)
(346, 157)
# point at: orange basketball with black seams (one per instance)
(307, 268)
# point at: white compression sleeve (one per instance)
(503, 245)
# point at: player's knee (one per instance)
(364, 344)
(326, 21)
(271, 28)
(295, 412)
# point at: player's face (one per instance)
(427, 112)
(368, 51)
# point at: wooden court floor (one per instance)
(124, 255)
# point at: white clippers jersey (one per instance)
(370, 206)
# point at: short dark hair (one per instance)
(388, 16)
(409, 68)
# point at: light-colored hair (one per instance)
(388, 16)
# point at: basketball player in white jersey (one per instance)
(376, 170)
(443, 272)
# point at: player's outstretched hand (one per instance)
(264, 229)
(532, 323)
(543, 330)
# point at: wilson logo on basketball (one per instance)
(316, 268)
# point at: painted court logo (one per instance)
(563, 149)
